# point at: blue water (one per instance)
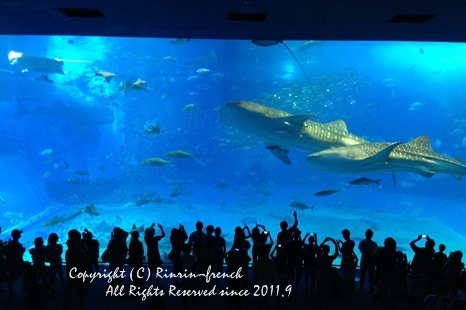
(76, 139)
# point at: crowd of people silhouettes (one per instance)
(430, 280)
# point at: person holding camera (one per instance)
(419, 277)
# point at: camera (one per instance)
(424, 235)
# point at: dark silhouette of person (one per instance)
(76, 260)
(264, 243)
(422, 259)
(117, 250)
(263, 270)
(2, 261)
(255, 237)
(178, 238)
(189, 265)
(35, 281)
(451, 272)
(349, 261)
(438, 261)
(401, 274)
(14, 259)
(285, 233)
(195, 239)
(281, 249)
(439, 298)
(38, 256)
(295, 257)
(237, 259)
(419, 277)
(208, 257)
(368, 249)
(220, 249)
(327, 284)
(93, 249)
(136, 259)
(310, 252)
(385, 275)
(154, 260)
(53, 253)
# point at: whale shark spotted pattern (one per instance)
(416, 156)
(280, 130)
(335, 148)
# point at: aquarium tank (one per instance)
(99, 132)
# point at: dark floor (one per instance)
(95, 298)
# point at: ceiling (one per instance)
(415, 20)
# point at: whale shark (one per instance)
(415, 156)
(281, 130)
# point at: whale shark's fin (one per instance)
(290, 124)
(279, 153)
(381, 156)
(338, 124)
(422, 142)
(427, 173)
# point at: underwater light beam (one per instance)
(275, 42)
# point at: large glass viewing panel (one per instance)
(101, 132)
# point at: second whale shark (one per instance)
(416, 156)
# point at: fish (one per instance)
(56, 220)
(416, 156)
(46, 152)
(202, 70)
(327, 192)
(364, 181)
(170, 58)
(2, 199)
(299, 205)
(456, 132)
(90, 209)
(139, 84)
(155, 162)
(279, 153)
(53, 221)
(280, 130)
(108, 76)
(29, 63)
(153, 128)
(81, 172)
(190, 107)
(179, 154)
(142, 201)
(104, 227)
(415, 106)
